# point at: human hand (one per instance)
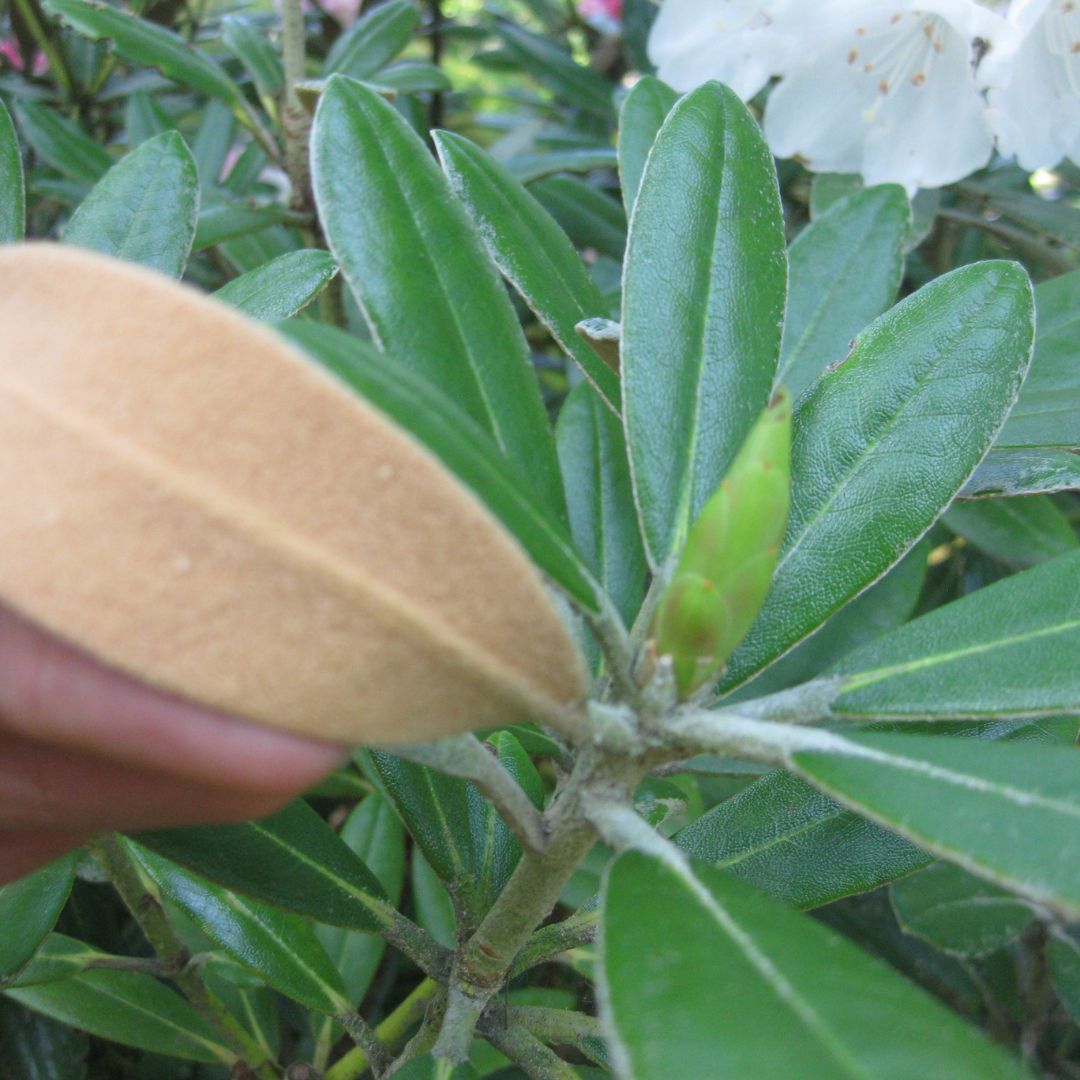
(85, 750)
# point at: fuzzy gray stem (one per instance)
(525, 1050)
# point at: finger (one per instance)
(44, 787)
(23, 852)
(52, 692)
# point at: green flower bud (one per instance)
(730, 554)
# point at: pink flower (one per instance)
(9, 52)
(605, 15)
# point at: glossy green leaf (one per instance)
(910, 413)
(957, 912)
(13, 205)
(434, 910)
(1005, 650)
(29, 909)
(529, 167)
(845, 269)
(600, 498)
(60, 957)
(1008, 812)
(460, 444)
(497, 850)
(642, 114)
(551, 66)
(1047, 412)
(373, 40)
(443, 310)
(281, 287)
(1020, 532)
(61, 143)
(151, 45)
(589, 217)
(1024, 472)
(33, 1047)
(774, 993)
(129, 1008)
(144, 209)
(254, 50)
(292, 859)
(374, 832)
(800, 846)
(278, 946)
(532, 252)
(703, 300)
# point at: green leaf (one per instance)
(33, 1047)
(150, 45)
(1005, 650)
(278, 946)
(703, 300)
(211, 143)
(433, 906)
(29, 909)
(129, 1008)
(909, 413)
(414, 77)
(373, 40)
(827, 189)
(292, 859)
(1008, 812)
(642, 114)
(773, 992)
(957, 912)
(600, 498)
(281, 287)
(529, 167)
(553, 67)
(1024, 472)
(253, 49)
(144, 118)
(532, 252)
(1020, 532)
(457, 441)
(13, 205)
(144, 209)
(373, 831)
(1064, 956)
(497, 850)
(428, 1068)
(845, 269)
(60, 957)
(1047, 412)
(589, 217)
(61, 143)
(442, 310)
(800, 846)
(222, 219)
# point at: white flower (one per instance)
(1034, 86)
(891, 94)
(742, 43)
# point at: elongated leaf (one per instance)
(909, 413)
(465, 449)
(211, 143)
(144, 118)
(13, 204)
(599, 495)
(845, 269)
(221, 220)
(33, 1047)
(774, 993)
(1020, 532)
(292, 859)
(703, 299)
(553, 67)
(129, 1008)
(433, 907)
(61, 143)
(281, 287)
(414, 77)
(1048, 410)
(800, 846)
(532, 252)
(1024, 472)
(28, 911)
(529, 167)
(1008, 812)
(373, 40)
(1064, 955)
(144, 209)
(1006, 650)
(442, 310)
(589, 217)
(150, 45)
(278, 946)
(642, 114)
(957, 912)
(254, 50)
